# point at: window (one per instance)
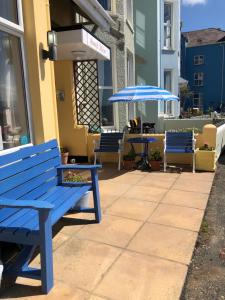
(130, 11)
(168, 87)
(198, 79)
(130, 82)
(168, 25)
(8, 10)
(198, 60)
(14, 128)
(106, 4)
(197, 100)
(105, 91)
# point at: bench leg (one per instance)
(96, 196)
(193, 163)
(46, 251)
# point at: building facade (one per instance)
(204, 68)
(38, 97)
(157, 51)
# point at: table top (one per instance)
(142, 140)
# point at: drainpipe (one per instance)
(222, 78)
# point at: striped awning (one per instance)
(142, 93)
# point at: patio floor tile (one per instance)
(134, 209)
(127, 178)
(189, 199)
(136, 277)
(146, 193)
(198, 176)
(112, 189)
(177, 216)
(112, 230)
(192, 185)
(82, 263)
(166, 242)
(158, 181)
(27, 289)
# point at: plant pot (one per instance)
(129, 164)
(205, 160)
(83, 202)
(155, 165)
(64, 158)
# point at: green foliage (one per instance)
(206, 147)
(74, 177)
(155, 155)
(64, 150)
(130, 156)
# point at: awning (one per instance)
(96, 13)
(79, 44)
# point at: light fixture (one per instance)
(51, 54)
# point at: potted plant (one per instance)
(76, 177)
(64, 155)
(155, 160)
(205, 158)
(129, 160)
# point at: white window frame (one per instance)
(129, 10)
(199, 99)
(199, 79)
(170, 26)
(113, 58)
(199, 60)
(168, 105)
(18, 31)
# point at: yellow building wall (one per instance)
(72, 136)
(40, 72)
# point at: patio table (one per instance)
(144, 162)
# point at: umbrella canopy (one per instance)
(142, 93)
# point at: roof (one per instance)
(204, 36)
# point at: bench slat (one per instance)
(15, 181)
(28, 163)
(27, 187)
(27, 151)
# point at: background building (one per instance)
(157, 48)
(204, 68)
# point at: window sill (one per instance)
(168, 50)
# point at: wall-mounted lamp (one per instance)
(51, 54)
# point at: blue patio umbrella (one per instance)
(142, 93)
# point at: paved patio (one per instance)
(142, 248)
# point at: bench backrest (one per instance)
(110, 141)
(179, 140)
(29, 172)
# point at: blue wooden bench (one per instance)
(33, 197)
(110, 142)
(179, 142)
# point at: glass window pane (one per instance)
(13, 112)
(106, 107)
(167, 13)
(8, 10)
(106, 4)
(105, 73)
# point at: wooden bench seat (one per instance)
(33, 197)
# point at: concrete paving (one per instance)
(142, 248)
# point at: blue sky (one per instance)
(198, 14)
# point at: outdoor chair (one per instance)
(135, 126)
(109, 143)
(178, 143)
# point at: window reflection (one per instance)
(13, 112)
(8, 10)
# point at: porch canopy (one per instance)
(77, 43)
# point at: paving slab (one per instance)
(136, 277)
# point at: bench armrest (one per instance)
(34, 204)
(79, 167)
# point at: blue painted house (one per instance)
(203, 65)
